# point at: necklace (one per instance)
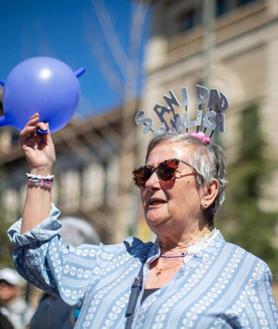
(182, 254)
(158, 271)
(171, 253)
(185, 245)
(167, 265)
(161, 270)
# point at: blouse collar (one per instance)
(201, 248)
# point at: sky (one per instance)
(69, 30)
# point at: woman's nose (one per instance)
(153, 181)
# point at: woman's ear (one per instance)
(210, 193)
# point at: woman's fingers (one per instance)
(42, 125)
(30, 126)
(33, 120)
(38, 148)
(42, 139)
(27, 131)
(34, 116)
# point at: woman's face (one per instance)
(176, 202)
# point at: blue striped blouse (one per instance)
(220, 285)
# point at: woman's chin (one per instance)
(154, 219)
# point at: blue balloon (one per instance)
(44, 85)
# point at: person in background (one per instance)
(4, 322)
(52, 313)
(12, 305)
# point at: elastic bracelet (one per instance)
(34, 177)
(45, 185)
(44, 182)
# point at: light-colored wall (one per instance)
(244, 66)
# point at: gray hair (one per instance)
(208, 161)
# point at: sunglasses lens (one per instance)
(141, 175)
(167, 169)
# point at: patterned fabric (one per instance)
(220, 285)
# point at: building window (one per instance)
(112, 181)
(15, 138)
(188, 21)
(70, 190)
(224, 6)
(11, 202)
(221, 7)
(244, 2)
(93, 185)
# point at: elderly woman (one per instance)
(191, 277)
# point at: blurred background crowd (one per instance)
(135, 52)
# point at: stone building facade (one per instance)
(241, 53)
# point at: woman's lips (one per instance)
(156, 202)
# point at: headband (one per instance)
(175, 117)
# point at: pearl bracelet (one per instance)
(44, 182)
(39, 177)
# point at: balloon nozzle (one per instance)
(80, 72)
(40, 131)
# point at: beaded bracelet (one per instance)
(44, 182)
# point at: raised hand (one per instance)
(39, 149)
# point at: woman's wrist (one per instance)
(43, 170)
(44, 182)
